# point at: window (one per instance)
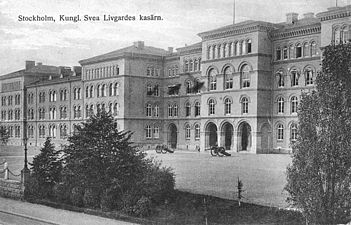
(116, 89)
(309, 76)
(187, 109)
(17, 114)
(103, 90)
(313, 48)
(191, 65)
(188, 87)
(337, 35)
(98, 91)
(187, 131)
(148, 131)
(170, 111)
(294, 104)
(197, 109)
(211, 107)
(175, 110)
(278, 54)
(196, 65)
(149, 90)
(156, 132)
(63, 131)
(148, 110)
(41, 113)
(91, 91)
(285, 52)
(280, 105)
(280, 132)
(244, 105)
(17, 131)
(41, 131)
(245, 76)
(63, 95)
(116, 109)
(52, 113)
(156, 91)
(305, 50)
(298, 51)
(227, 106)
(280, 77)
(87, 114)
(293, 132)
(212, 79)
(228, 76)
(10, 115)
(52, 131)
(41, 97)
(17, 99)
(186, 66)
(30, 131)
(345, 34)
(110, 90)
(291, 51)
(249, 46)
(197, 132)
(156, 111)
(294, 78)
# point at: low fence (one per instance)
(10, 188)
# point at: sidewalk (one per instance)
(52, 215)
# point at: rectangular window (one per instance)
(156, 132)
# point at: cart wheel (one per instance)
(164, 149)
(213, 151)
(219, 151)
(158, 149)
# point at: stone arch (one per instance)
(226, 66)
(172, 135)
(210, 134)
(227, 135)
(244, 136)
(242, 64)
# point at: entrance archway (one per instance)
(227, 136)
(172, 135)
(244, 137)
(211, 135)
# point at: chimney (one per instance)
(308, 15)
(77, 70)
(30, 64)
(39, 63)
(139, 44)
(292, 18)
(170, 49)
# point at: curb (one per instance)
(29, 217)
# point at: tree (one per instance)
(99, 157)
(46, 168)
(319, 178)
(4, 135)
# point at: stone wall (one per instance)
(11, 189)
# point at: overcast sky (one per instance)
(65, 43)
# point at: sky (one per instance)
(64, 43)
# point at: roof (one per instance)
(145, 50)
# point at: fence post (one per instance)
(6, 169)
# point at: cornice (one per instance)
(296, 32)
(335, 13)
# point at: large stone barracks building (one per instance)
(239, 87)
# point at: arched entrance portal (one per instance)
(172, 135)
(244, 137)
(211, 135)
(227, 136)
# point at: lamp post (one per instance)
(25, 171)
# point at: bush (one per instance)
(109, 199)
(91, 198)
(61, 193)
(159, 183)
(31, 189)
(76, 196)
(143, 207)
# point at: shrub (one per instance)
(143, 207)
(91, 198)
(109, 199)
(62, 192)
(76, 196)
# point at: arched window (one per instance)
(116, 109)
(98, 90)
(278, 53)
(175, 110)
(298, 51)
(227, 106)
(110, 89)
(156, 111)
(305, 50)
(336, 35)
(280, 132)
(291, 51)
(187, 131)
(280, 105)
(294, 78)
(245, 76)
(228, 76)
(280, 77)
(191, 65)
(285, 52)
(148, 110)
(249, 46)
(186, 67)
(209, 52)
(197, 131)
(313, 48)
(294, 104)
(238, 48)
(156, 132)
(197, 109)
(212, 79)
(225, 52)
(149, 90)
(293, 132)
(148, 131)
(170, 111)
(87, 111)
(91, 91)
(309, 76)
(116, 89)
(87, 92)
(345, 34)
(243, 47)
(211, 107)
(244, 105)
(187, 109)
(214, 49)
(196, 65)
(188, 87)
(103, 90)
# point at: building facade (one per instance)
(238, 88)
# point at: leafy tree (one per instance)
(99, 157)
(319, 178)
(46, 168)
(4, 135)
